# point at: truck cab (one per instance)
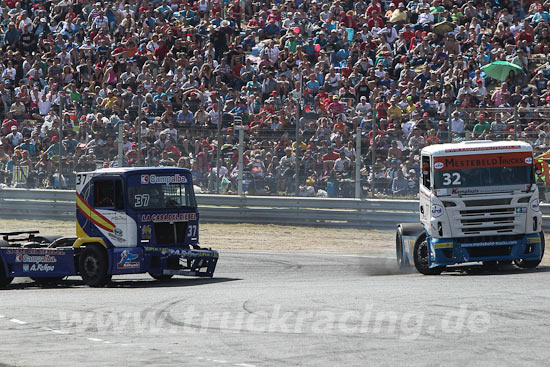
(128, 221)
(478, 202)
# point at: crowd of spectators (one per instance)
(301, 76)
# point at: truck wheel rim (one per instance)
(91, 265)
(423, 254)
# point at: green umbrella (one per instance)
(501, 69)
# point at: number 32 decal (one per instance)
(453, 178)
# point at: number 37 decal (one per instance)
(451, 178)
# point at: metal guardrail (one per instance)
(354, 213)
(371, 213)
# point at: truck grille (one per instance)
(170, 233)
(487, 202)
(478, 221)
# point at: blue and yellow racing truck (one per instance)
(128, 221)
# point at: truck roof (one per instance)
(139, 170)
(476, 147)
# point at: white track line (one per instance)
(16, 321)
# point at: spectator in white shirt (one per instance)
(457, 124)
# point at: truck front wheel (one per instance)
(93, 266)
(531, 264)
(421, 257)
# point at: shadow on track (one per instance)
(383, 266)
(481, 270)
(129, 283)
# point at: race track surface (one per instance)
(277, 309)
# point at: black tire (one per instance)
(93, 266)
(4, 280)
(531, 264)
(403, 265)
(161, 277)
(421, 256)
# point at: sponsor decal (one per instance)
(535, 205)
(38, 267)
(492, 243)
(35, 259)
(128, 261)
(180, 252)
(440, 245)
(483, 161)
(521, 210)
(437, 210)
(146, 232)
(529, 160)
(533, 240)
(169, 217)
(163, 180)
(35, 251)
(117, 232)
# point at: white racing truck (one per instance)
(478, 203)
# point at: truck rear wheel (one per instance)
(161, 277)
(93, 266)
(4, 280)
(401, 261)
(531, 264)
(421, 258)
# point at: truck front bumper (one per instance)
(181, 261)
(448, 251)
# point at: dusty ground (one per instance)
(254, 237)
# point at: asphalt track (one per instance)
(275, 309)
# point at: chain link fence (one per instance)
(340, 148)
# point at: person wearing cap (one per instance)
(482, 127)
(480, 92)
(14, 137)
(337, 108)
(363, 106)
(394, 111)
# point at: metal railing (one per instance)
(351, 213)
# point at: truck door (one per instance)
(113, 222)
(425, 191)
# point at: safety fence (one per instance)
(60, 205)
(352, 213)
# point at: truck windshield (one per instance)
(170, 196)
(477, 177)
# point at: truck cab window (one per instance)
(426, 169)
(108, 194)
